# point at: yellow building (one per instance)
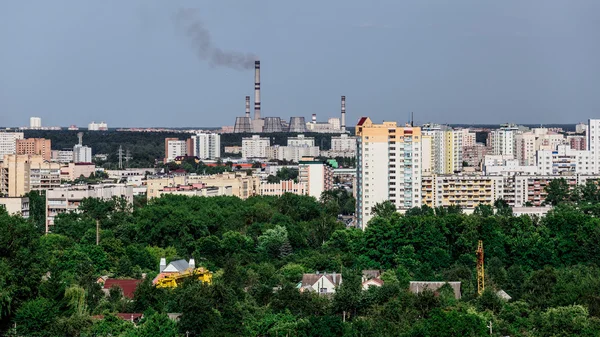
(389, 164)
(20, 174)
(466, 191)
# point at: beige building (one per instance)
(15, 206)
(242, 185)
(75, 170)
(35, 146)
(196, 190)
(20, 174)
(282, 187)
(66, 199)
(316, 175)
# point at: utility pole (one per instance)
(120, 157)
(490, 326)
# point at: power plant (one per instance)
(260, 124)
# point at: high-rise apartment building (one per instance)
(82, 154)
(39, 146)
(446, 148)
(174, 148)
(564, 160)
(343, 143)
(593, 143)
(503, 140)
(317, 176)
(301, 140)
(8, 143)
(35, 123)
(93, 126)
(20, 174)
(206, 145)
(255, 146)
(388, 167)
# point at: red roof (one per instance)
(128, 286)
(362, 120)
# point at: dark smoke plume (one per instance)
(189, 21)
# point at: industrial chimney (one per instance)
(256, 89)
(343, 120)
(314, 118)
(247, 106)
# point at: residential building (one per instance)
(93, 126)
(446, 148)
(73, 171)
(371, 278)
(15, 206)
(282, 187)
(503, 140)
(35, 123)
(580, 128)
(343, 143)
(388, 167)
(66, 199)
(469, 138)
(8, 142)
(466, 191)
(301, 141)
(317, 176)
(593, 143)
(322, 284)
(175, 148)
(233, 149)
(505, 165)
(38, 146)
(525, 148)
(196, 190)
(61, 156)
(255, 146)
(156, 183)
(291, 153)
(242, 185)
(564, 160)
(417, 287)
(577, 142)
(473, 155)
(127, 286)
(20, 174)
(82, 154)
(206, 145)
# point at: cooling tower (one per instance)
(272, 124)
(297, 124)
(242, 125)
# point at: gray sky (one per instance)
(126, 62)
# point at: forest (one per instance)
(259, 248)
(146, 149)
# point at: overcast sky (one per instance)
(129, 63)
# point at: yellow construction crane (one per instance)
(172, 281)
(480, 269)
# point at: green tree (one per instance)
(557, 191)
(36, 318)
(384, 209)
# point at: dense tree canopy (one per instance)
(259, 248)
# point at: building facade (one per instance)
(174, 148)
(206, 145)
(82, 154)
(37, 146)
(8, 142)
(255, 147)
(20, 174)
(388, 167)
(317, 176)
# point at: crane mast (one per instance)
(480, 269)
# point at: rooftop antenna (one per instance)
(412, 119)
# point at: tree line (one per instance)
(259, 248)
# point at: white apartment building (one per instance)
(564, 160)
(503, 140)
(65, 199)
(93, 126)
(446, 147)
(82, 154)
(389, 164)
(301, 140)
(8, 143)
(175, 148)
(207, 145)
(468, 138)
(505, 165)
(343, 143)
(580, 128)
(291, 153)
(255, 146)
(317, 176)
(35, 123)
(593, 143)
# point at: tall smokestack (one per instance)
(256, 89)
(314, 118)
(247, 106)
(343, 120)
